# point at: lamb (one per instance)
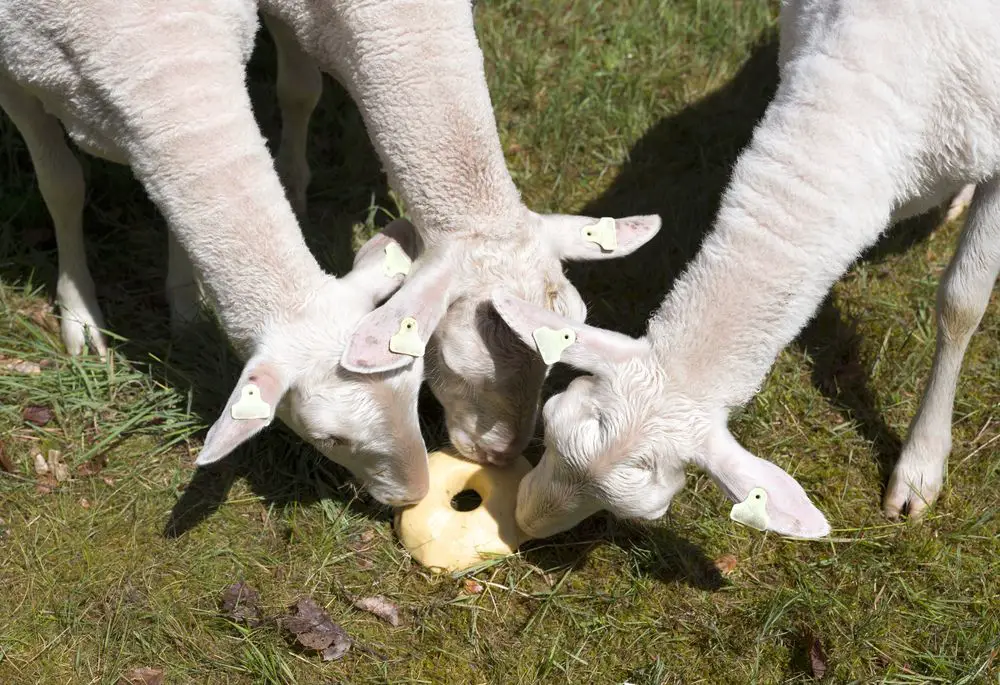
(415, 70)
(883, 111)
(162, 89)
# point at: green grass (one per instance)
(605, 108)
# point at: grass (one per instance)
(603, 108)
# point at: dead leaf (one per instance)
(6, 463)
(313, 629)
(240, 603)
(379, 606)
(37, 415)
(41, 314)
(726, 564)
(15, 365)
(364, 563)
(85, 503)
(363, 541)
(471, 586)
(92, 466)
(143, 676)
(41, 466)
(108, 480)
(58, 469)
(817, 657)
(42, 489)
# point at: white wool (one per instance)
(161, 87)
(884, 110)
(415, 70)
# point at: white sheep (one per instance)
(884, 110)
(415, 70)
(162, 88)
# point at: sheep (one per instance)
(883, 111)
(415, 70)
(162, 89)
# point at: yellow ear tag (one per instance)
(396, 261)
(551, 342)
(251, 406)
(406, 340)
(752, 511)
(603, 233)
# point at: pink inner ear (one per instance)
(265, 377)
(633, 231)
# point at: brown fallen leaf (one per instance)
(726, 564)
(84, 503)
(313, 629)
(108, 480)
(471, 586)
(57, 468)
(15, 365)
(363, 542)
(143, 676)
(92, 466)
(817, 657)
(379, 606)
(6, 463)
(37, 415)
(240, 603)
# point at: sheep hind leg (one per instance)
(963, 296)
(184, 293)
(960, 202)
(60, 180)
(299, 87)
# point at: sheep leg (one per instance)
(60, 180)
(184, 294)
(963, 296)
(960, 202)
(299, 87)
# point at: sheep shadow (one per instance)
(679, 170)
(654, 551)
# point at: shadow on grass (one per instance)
(655, 550)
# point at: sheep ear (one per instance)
(557, 338)
(382, 263)
(764, 495)
(581, 238)
(396, 333)
(249, 410)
